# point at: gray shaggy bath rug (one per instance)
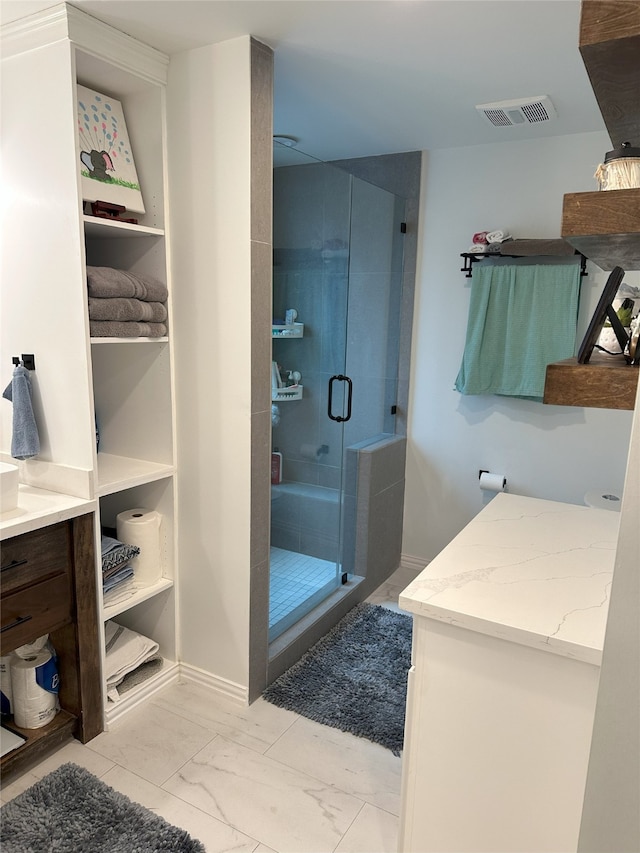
(71, 811)
(354, 678)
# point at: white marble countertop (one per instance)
(535, 572)
(39, 508)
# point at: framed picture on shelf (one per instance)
(107, 169)
(604, 311)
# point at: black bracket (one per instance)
(27, 360)
(471, 257)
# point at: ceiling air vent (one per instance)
(521, 111)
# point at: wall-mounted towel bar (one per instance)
(471, 257)
(27, 360)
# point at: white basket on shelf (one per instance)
(293, 330)
(290, 392)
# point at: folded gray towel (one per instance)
(126, 309)
(109, 283)
(25, 441)
(527, 248)
(117, 329)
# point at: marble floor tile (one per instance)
(151, 742)
(257, 726)
(216, 836)
(284, 809)
(355, 765)
(387, 594)
(373, 831)
(253, 780)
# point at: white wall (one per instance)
(552, 452)
(209, 164)
(43, 290)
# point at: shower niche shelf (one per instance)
(293, 330)
(292, 392)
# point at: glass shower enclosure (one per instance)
(337, 289)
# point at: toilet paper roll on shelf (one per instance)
(142, 527)
(492, 482)
(34, 684)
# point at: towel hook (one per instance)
(27, 360)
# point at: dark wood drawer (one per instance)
(35, 611)
(35, 557)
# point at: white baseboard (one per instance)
(171, 673)
(414, 564)
(222, 686)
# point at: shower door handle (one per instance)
(340, 378)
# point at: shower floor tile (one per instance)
(294, 578)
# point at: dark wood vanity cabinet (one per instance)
(48, 586)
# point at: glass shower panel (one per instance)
(312, 203)
(337, 263)
(373, 337)
(375, 297)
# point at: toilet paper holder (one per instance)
(498, 482)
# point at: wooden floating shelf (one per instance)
(604, 226)
(610, 47)
(606, 382)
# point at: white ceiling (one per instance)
(355, 78)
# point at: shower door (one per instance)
(333, 235)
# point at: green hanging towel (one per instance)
(521, 318)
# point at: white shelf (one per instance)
(162, 340)
(97, 227)
(138, 694)
(116, 473)
(138, 597)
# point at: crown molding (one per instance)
(87, 33)
(34, 31)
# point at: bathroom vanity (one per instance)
(49, 588)
(509, 624)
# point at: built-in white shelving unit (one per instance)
(133, 385)
(126, 385)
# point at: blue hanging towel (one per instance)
(521, 318)
(25, 441)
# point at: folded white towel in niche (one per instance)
(125, 651)
(120, 593)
